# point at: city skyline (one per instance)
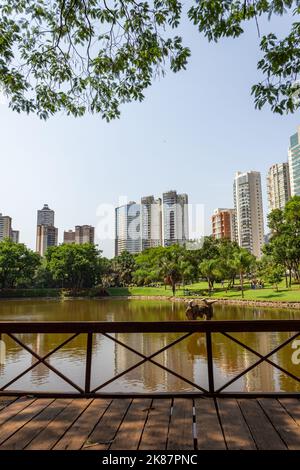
(192, 132)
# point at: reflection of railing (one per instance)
(188, 328)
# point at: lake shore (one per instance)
(221, 301)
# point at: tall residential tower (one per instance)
(294, 162)
(175, 218)
(151, 222)
(46, 232)
(128, 228)
(278, 186)
(249, 211)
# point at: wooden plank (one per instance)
(208, 429)
(19, 420)
(130, 431)
(77, 435)
(6, 400)
(106, 429)
(14, 408)
(27, 433)
(292, 406)
(236, 431)
(264, 434)
(57, 428)
(285, 425)
(156, 429)
(181, 425)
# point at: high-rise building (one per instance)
(45, 216)
(69, 237)
(224, 224)
(81, 234)
(46, 232)
(15, 236)
(5, 227)
(294, 163)
(46, 235)
(128, 228)
(84, 234)
(151, 222)
(278, 186)
(175, 218)
(249, 211)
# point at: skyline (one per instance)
(205, 129)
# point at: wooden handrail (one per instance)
(213, 326)
(187, 328)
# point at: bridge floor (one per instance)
(149, 424)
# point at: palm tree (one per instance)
(210, 270)
(243, 261)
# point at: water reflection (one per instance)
(187, 358)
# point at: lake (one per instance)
(187, 358)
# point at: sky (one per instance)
(192, 132)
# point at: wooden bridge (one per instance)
(209, 418)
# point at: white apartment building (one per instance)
(249, 211)
(278, 186)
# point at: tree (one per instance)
(243, 261)
(209, 268)
(17, 264)
(79, 55)
(74, 266)
(273, 274)
(124, 266)
(284, 245)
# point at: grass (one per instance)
(268, 293)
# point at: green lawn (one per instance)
(267, 293)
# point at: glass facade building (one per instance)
(128, 228)
(294, 163)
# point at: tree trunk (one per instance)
(173, 288)
(242, 284)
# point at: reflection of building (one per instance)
(249, 211)
(294, 163)
(151, 222)
(127, 228)
(223, 224)
(175, 218)
(278, 186)
(149, 376)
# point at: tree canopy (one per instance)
(17, 264)
(93, 55)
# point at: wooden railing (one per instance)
(187, 328)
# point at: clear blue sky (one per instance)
(191, 133)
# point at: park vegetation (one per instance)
(77, 267)
(83, 56)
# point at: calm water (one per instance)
(187, 358)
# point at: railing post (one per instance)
(210, 362)
(88, 364)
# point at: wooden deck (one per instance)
(149, 424)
